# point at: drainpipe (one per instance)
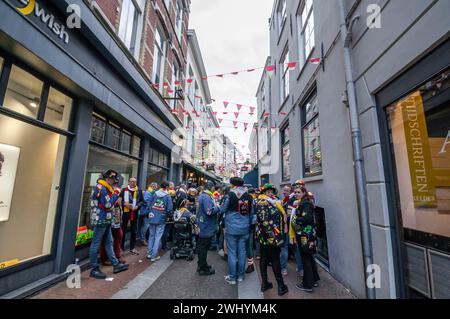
(363, 207)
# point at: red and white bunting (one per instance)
(315, 60)
(189, 81)
(215, 113)
(220, 120)
(239, 107)
(204, 78)
(292, 66)
(177, 83)
(174, 111)
(219, 75)
(166, 85)
(266, 114)
(252, 109)
(225, 104)
(225, 113)
(236, 114)
(270, 70)
(245, 126)
(251, 70)
(235, 123)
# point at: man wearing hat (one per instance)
(104, 197)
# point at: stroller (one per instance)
(183, 234)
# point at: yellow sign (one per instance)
(418, 148)
(8, 263)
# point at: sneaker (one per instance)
(230, 281)
(283, 290)
(284, 272)
(221, 253)
(240, 279)
(119, 268)
(316, 284)
(250, 269)
(149, 256)
(207, 272)
(97, 274)
(155, 259)
(302, 288)
(267, 286)
(134, 252)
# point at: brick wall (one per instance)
(111, 10)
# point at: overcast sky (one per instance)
(233, 35)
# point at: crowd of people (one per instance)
(238, 221)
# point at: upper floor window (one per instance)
(282, 14)
(179, 19)
(312, 154)
(175, 78)
(158, 58)
(284, 86)
(306, 29)
(130, 26)
(285, 154)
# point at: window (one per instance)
(58, 110)
(98, 130)
(158, 59)
(191, 86)
(179, 19)
(306, 29)
(312, 155)
(1, 64)
(136, 150)
(175, 77)
(31, 164)
(282, 15)
(125, 142)
(284, 86)
(285, 154)
(130, 24)
(23, 94)
(113, 136)
(167, 4)
(99, 161)
(419, 126)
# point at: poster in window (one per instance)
(9, 159)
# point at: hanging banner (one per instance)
(417, 146)
(201, 150)
(9, 159)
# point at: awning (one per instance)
(202, 171)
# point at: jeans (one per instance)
(298, 258)
(214, 242)
(284, 253)
(133, 229)
(202, 248)
(271, 253)
(249, 245)
(117, 240)
(144, 228)
(140, 225)
(156, 233)
(236, 255)
(102, 234)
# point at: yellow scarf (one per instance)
(105, 183)
(134, 197)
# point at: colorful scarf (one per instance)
(127, 200)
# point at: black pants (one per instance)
(272, 254)
(202, 248)
(133, 229)
(310, 274)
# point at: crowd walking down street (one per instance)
(246, 223)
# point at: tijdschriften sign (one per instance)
(419, 157)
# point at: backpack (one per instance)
(269, 231)
(242, 205)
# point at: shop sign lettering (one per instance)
(419, 156)
(446, 142)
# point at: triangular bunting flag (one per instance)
(235, 123)
(251, 70)
(204, 78)
(225, 113)
(292, 65)
(166, 85)
(270, 69)
(219, 75)
(220, 120)
(235, 73)
(177, 83)
(236, 114)
(315, 60)
(225, 104)
(215, 113)
(239, 106)
(252, 109)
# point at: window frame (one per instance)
(284, 75)
(301, 30)
(162, 51)
(131, 40)
(282, 15)
(304, 125)
(284, 143)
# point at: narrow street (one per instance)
(177, 279)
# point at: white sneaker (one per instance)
(240, 279)
(230, 281)
(221, 253)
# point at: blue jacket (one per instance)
(158, 207)
(235, 222)
(207, 216)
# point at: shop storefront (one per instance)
(194, 177)
(417, 120)
(69, 110)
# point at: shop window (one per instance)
(98, 130)
(113, 136)
(99, 161)
(156, 174)
(312, 155)
(155, 157)
(58, 110)
(1, 64)
(125, 142)
(285, 154)
(23, 94)
(420, 135)
(136, 150)
(31, 161)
